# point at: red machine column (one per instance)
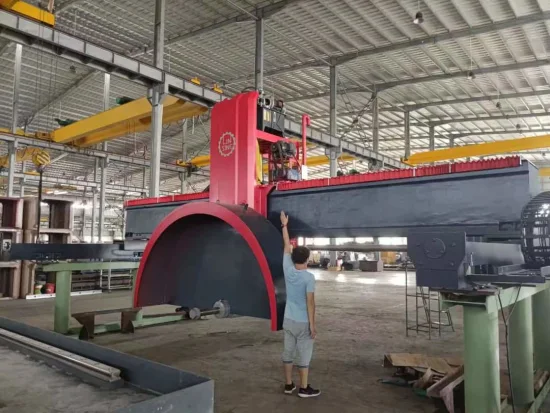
(233, 150)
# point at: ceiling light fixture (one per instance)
(418, 17)
(471, 75)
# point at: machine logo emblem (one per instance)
(226, 144)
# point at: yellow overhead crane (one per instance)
(38, 156)
(28, 10)
(480, 149)
(204, 160)
(128, 118)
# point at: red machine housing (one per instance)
(223, 248)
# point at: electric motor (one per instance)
(282, 150)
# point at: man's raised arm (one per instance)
(286, 238)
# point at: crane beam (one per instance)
(481, 149)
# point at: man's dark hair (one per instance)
(300, 255)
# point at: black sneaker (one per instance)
(308, 392)
(289, 388)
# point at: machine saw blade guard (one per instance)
(203, 252)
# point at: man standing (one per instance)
(299, 321)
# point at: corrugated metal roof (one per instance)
(299, 40)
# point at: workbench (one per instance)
(528, 336)
(63, 279)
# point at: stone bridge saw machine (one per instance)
(226, 244)
(237, 220)
(205, 246)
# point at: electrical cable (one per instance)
(505, 321)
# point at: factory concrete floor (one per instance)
(361, 316)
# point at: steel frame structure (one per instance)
(35, 35)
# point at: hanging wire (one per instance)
(355, 123)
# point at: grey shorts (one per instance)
(298, 344)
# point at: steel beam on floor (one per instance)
(114, 326)
(171, 386)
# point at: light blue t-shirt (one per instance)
(298, 283)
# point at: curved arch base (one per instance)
(203, 252)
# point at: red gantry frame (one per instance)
(223, 248)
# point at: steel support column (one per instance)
(158, 53)
(23, 169)
(451, 142)
(94, 204)
(541, 330)
(407, 116)
(143, 178)
(12, 147)
(376, 241)
(16, 83)
(333, 152)
(333, 120)
(481, 360)
(62, 312)
(520, 343)
(157, 109)
(332, 102)
(94, 212)
(156, 95)
(259, 62)
(183, 175)
(375, 123)
(102, 206)
(431, 137)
